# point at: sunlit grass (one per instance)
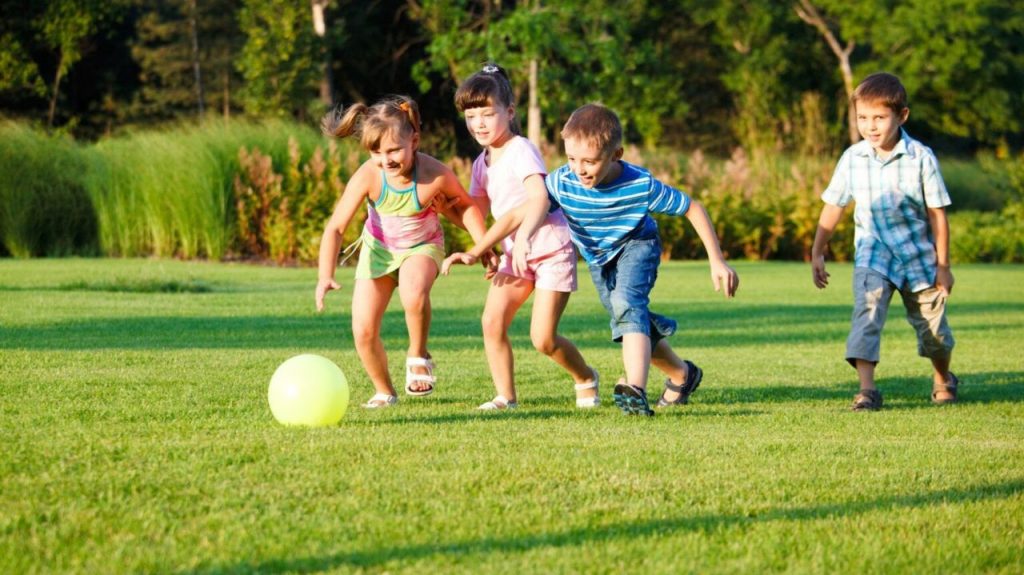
(137, 436)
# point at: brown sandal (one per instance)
(690, 384)
(867, 400)
(949, 388)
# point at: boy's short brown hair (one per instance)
(882, 88)
(595, 124)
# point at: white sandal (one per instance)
(589, 402)
(498, 403)
(411, 378)
(380, 400)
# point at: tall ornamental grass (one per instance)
(44, 207)
(170, 193)
(243, 190)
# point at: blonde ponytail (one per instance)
(397, 114)
(340, 123)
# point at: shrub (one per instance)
(988, 236)
(766, 208)
(981, 184)
(281, 216)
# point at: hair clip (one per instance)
(490, 69)
(404, 106)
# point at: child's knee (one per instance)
(935, 344)
(622, 309)
(544, 343)
(493, 325)
(416, 302)
(627, 315)
(364, 334)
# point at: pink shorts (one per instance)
(555, 271)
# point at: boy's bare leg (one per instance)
(504, 298)
(372, 297)
(665, 359)
(548, 307)
(636, 358)
(941, 377)
(416, 277)
(866, 374)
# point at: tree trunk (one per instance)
(227, 94)
(809, 13)
(193, 25)
(56, 90)
(533, 130)
(320, 27)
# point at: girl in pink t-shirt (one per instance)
(508, 173)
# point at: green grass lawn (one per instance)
(136, 435)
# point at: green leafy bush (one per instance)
(988, 236)
(281, 216)
(247, 190)
(766, 208)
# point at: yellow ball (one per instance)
(308, 390)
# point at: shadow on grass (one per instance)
(458, 329)
(624, 531)
(470, 415)
(473, 415)
(990, 387)
(975, 388)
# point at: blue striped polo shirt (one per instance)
(892, 234)
(603, 218)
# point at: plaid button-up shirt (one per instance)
(892, 234)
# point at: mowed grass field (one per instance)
(135, 434)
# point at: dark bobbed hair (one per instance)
(488, 87)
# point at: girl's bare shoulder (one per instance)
(366, 178)
(434, 173)
(430, 168)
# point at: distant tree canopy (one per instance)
(687, 73)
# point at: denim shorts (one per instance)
(624, 286)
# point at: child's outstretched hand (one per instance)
(724, 278)
(443, 203)
(322, 287)
(490, 261)
(520, 254)
(819, 273)
(457, 258)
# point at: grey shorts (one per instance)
(926, 312)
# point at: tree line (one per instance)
(768, 76)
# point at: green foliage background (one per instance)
(140, 124)
(264, 191)
(681, 73)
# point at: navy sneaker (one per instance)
(631, 400)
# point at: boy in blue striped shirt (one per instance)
(608, 204)
(901, 239)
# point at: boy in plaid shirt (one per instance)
(901, 237)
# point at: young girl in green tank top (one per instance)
(402, 244)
